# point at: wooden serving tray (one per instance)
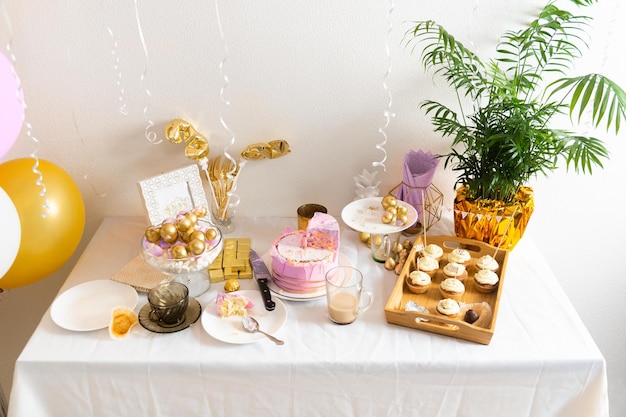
(431, 321)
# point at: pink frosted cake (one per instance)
(301, 258)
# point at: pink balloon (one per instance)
(11, 107)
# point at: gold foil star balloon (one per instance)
(271, 150)
(197, 148)
(179, 131)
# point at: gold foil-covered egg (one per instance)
(231, 285)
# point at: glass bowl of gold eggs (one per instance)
(183, 247)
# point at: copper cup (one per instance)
(306, 213)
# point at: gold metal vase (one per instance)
(493, 221)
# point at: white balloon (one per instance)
(11, 230)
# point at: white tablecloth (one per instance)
(541, 360)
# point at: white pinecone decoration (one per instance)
(366, 185)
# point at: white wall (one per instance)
(310, 72)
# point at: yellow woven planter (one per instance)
(493, 221)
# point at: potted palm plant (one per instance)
(501, 130)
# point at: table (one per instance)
(541, 360)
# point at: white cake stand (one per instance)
(365, 215)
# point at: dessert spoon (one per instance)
(252, 326)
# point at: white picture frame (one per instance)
(168, 194)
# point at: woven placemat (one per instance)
(140, 275)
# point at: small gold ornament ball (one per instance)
(193, 218)
(388, 217)
(389, 201)
(231, 285)
(178, 251)
(364, 237)
(153, 234)
(403, 218)
(196, 246)
(200, 211)
(169, 233)
(185, 224)
(211, 234)
(196, 234)
(402, 210)
(185, 236)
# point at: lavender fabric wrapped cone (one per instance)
(417, 175)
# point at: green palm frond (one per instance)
(608, 100)
(507, 139)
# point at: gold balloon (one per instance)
(272, 150)
(178, 131)
(51, 239)
(197, 148)
(278, 148)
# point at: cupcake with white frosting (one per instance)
(452, 288)
(449, 308)
(486, 281)
(459, 256)
(455, 270)
(418, 282)
(428, 265)
(432, 251)
(487, 262)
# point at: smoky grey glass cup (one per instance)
(168, 303)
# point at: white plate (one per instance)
(88, 306)
(230, 329)
(293, 296)
(365, 215)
